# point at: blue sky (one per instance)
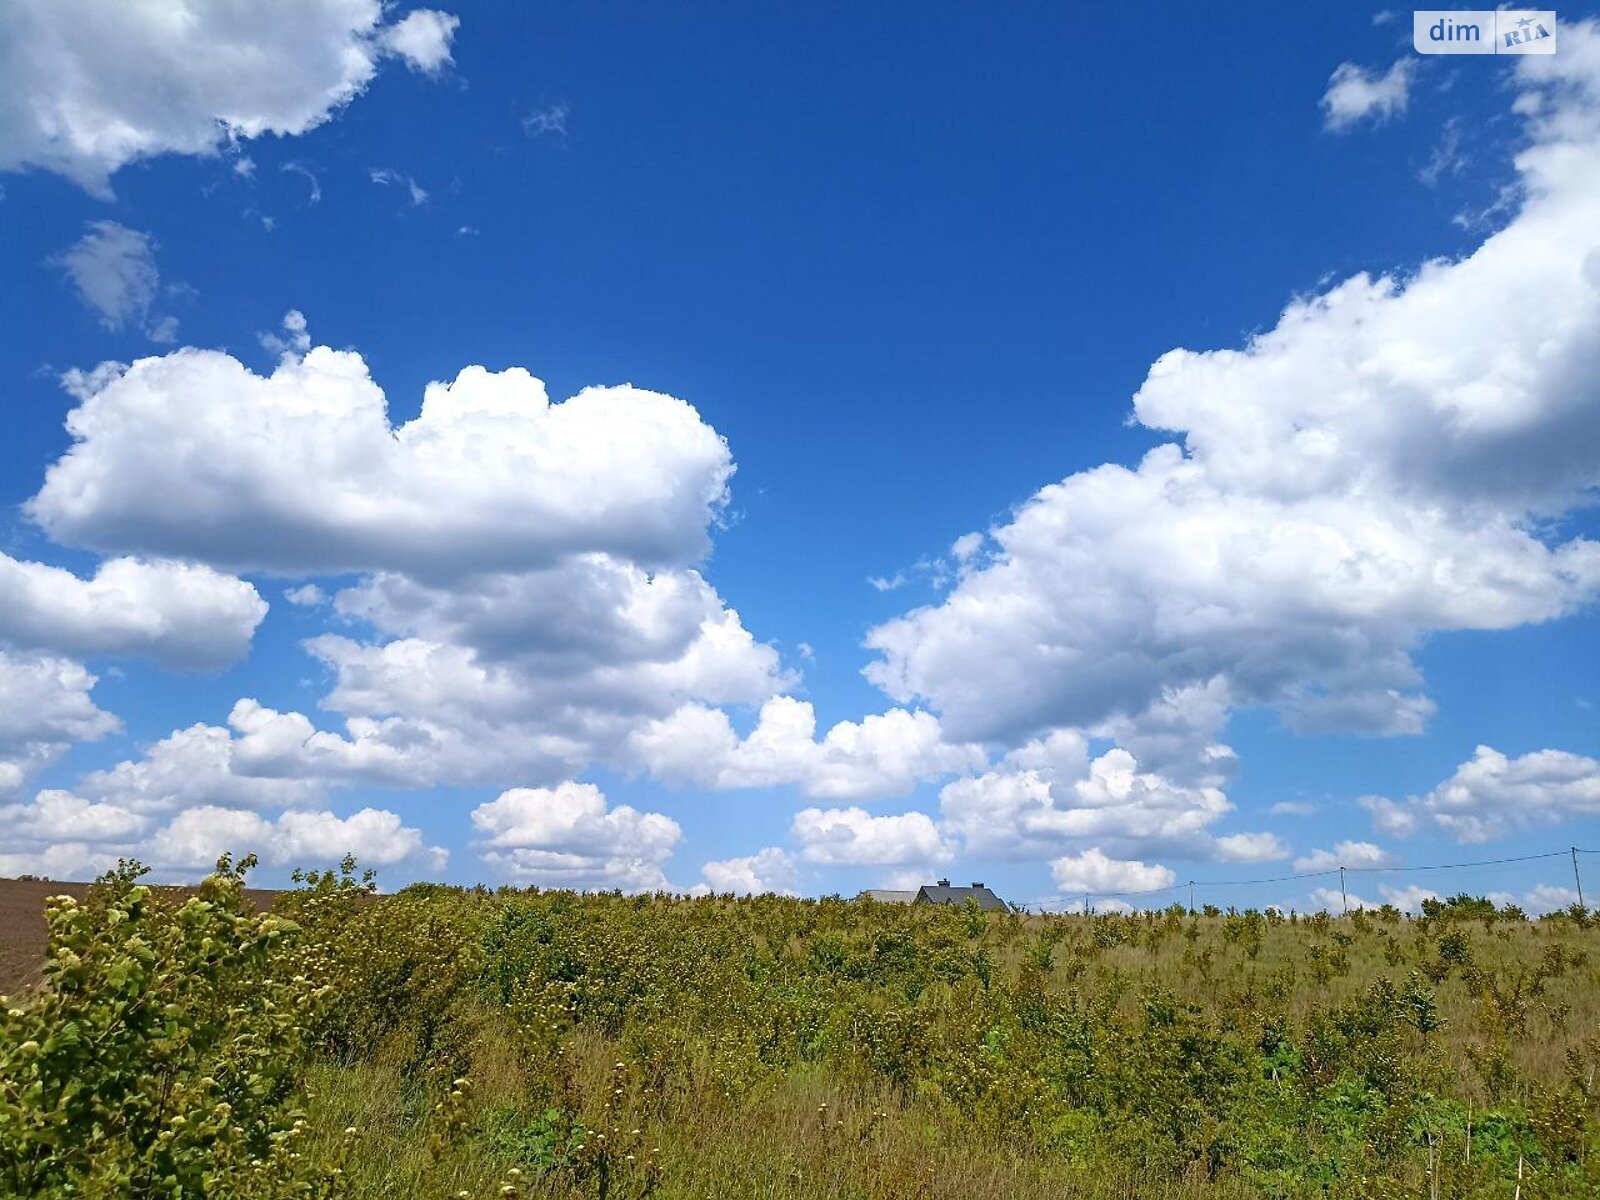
(912, 272)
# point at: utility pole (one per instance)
(1344, 896)
(1191, 897)
(1576, 878)
(1086, 904)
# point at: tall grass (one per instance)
(446, 1043)
(720, 1047)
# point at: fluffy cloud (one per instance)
(882, 755)
(1384, 463)
(87, 87)
(1395, 820)
(194, 839)
(1049, 795)
(399, 751)
(567, 836)
(1547, 898)
(55, 816)
(590, 613)
(1491, 794)
(1250, 848)
(1092, 872)
(191, 455)
(1333, 900)
(44, 708)
(1344, 854)
(1406, 899)
(837, 836)
(114, 271)
(1540, 899)
(1355, 94)
(769, 870)
(191, 768)
(422, 37)
(64, 836)
(74, 861)
(527, 569)
(438, 711)
(179, 614)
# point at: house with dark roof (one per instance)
(943, 893)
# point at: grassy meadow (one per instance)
(443, 1042)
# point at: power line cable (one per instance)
(1089, 897)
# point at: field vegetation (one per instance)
(444, 1042)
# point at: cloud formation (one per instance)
(1344, 854)
(113, 269)
(64, 836)
(194, 767)
(1356, 94)
(769, 870)
(526, 581)
(422, 38)
(1049, 795)
(301, 472)
(839, 836)
(1092, 872)
(178, 614)
(86, 88)
(1390, 460)
(44, 708)
(1491, 794)
(568, 837)
(882, 755)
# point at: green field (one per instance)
(445, 1042)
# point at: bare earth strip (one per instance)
(22, 927)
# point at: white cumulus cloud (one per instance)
(568, 836)
(422, 37)
(769, 870)
(1093, 871)
(1356, 94)
(882, 755)
(527, 570)
(1345, 854)
(838, 836)
(1379, 466)
(87, 87)
(179, 614)
(192, 455)
(193, 840)
(1250, 848)
(1049, 795)
(45, 707)
(190, 768)
(56, 816)
(1491, 794)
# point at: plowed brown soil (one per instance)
(22, 927)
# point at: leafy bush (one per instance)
(550, 1044)
(164, 1055)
